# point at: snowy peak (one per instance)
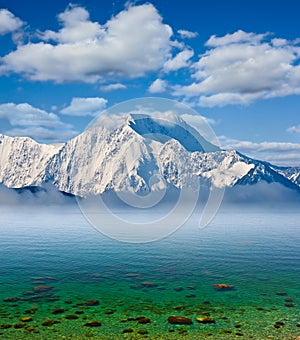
(125, 153)
(23, 162)
(162, 130)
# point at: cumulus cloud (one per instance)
(278, 153)
(85, 107)
(180, 60)
(184, 34)
(8, 22)
(295, 128)
(42, 134)
(129, 45)
(158, 86)
(236, 37)
(27, 120)
(24, 115)
(113, 87)
(242, 67)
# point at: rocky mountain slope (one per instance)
(138, 154)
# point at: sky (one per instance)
(235, 63)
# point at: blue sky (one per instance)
(237, 64)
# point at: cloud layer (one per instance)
(242, 67)
(85, 107)
(8, 22)
(129, 45)
(27, 120)
(278, 153)
(158, 86)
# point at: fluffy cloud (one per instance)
(8, 22)
(27, 120)
(295, 128)
(181, 60)
(26, 115)
(237, 37)
(85, 107)
(42, 134)
(184, 34)
(113, 87)
(274, 152)
(129, 45)
(158, 86)
(242, 67)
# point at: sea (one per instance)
(237, 278)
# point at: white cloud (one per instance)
(295, 128)
(184, 34)
(278, 153)
(113, 87)
(27, 120)
(76, 27)
(181, 60)
(8, 22)
(129, 45)
(236, 37)
(26, 115)
(85, 107)
(158, 86)
(197, 120)
(243, 67)
(42, 134)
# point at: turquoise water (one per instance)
(255, 251)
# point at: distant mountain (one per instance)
(127, 156)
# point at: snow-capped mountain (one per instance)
(135, 153)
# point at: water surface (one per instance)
(255, 251)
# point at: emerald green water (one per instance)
(257, 252)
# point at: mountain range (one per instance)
(137, 154)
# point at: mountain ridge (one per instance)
(132, 156)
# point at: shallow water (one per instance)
(257, 252)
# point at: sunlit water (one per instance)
(257, 252)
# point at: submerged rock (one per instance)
(58, 311)
(127, 330)
(93, 324)
(5, 326)
(223, 286)
(92, 303)
(132, 275)
(26, 319)
(42, 289)
(19, 325)
(179, 320)
(71, 317)
(205, 320)
(79, 312)
(190, 295)
(289, 305)
(143, 320)
(49, 323)
(149, 284)
(180, 307)
(288, 299)
(11, 299)
(178, 289)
